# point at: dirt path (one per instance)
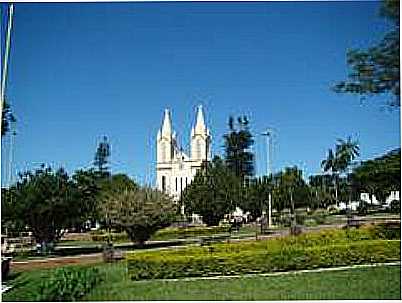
(55, 262)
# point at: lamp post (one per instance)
(269, 134)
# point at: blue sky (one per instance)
(81, 71)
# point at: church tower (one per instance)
(175, 169)
(164, 154)
(200, 138)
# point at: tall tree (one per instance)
(6, 119)
(213, 192)
(376, 70)
(256, 194)
(290, 189)
(102, 157)
(238, 143)
(338, 162)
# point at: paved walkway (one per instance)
(92, 258)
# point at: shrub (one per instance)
(68, 284)
(395, 206)
(321, 249)
(247, 262)
(139, 212)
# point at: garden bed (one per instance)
(322, 249)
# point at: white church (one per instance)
(175, 168)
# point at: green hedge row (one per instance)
(324, 237)
(115, 237)
(247, 262)
(165, 234)
(320, 249)
(188, 232)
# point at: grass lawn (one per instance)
(363, 283)
(366, 283)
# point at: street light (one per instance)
(268, 134)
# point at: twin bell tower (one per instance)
(174, 168)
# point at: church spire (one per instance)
(200, 124)
(167, 124)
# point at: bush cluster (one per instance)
(68, 284)
(321, 249)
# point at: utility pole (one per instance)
(5, 62)
(269, 134)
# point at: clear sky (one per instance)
(81, 71)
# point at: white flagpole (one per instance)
(6, 55)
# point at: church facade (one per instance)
(175, 169)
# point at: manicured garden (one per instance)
(324, 249)
(329, 248)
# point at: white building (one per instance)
(394, 195)
(174, 168)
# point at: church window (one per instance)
(163, 183)
(163, 152)
(181, 184)
(176, 184)
(198, 148)
(186, 181)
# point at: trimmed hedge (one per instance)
(182, 232)
(289, 258)
(115, 237)
(166, 233)
(322, 249)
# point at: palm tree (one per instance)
(345, 153)
(331, 163)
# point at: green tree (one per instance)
(256, 194)
(138, 211)
(101, 157)
(238, 142)
(379, 176)
(117, 183)
(45, 202)
(376, 70)
(213, 193)
(290, 190)
(87, 190)
(338, 162)
(6, 119)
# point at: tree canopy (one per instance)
(238, 142)
(102, 157)
(213, 192)
(47, 202)
(379, 176)
(138, 211)
(376, 71)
